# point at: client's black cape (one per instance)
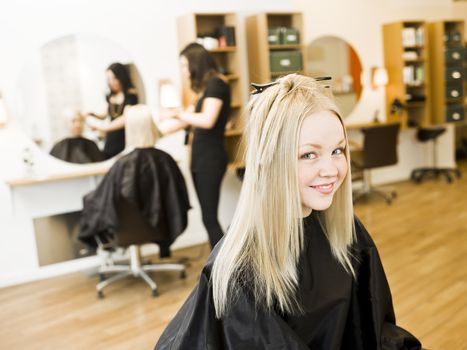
(77, 150)
(150, 180)
(339, 312)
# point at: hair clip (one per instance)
(259, 88)
(322, 78)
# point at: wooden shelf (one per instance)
(394, 49)
(279, 74)
(223, 49)
(259, 49)
(416, 47)
(409, 86)
(419, 60)
(415, 104)
(285, 47)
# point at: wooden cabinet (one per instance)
(447, 71)
(275, 46)
(407, 60)
(225, 51)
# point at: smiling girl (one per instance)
(296, 270)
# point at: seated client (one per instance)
(147, 178)
(76, 148)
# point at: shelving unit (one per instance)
(262, 54)
(407, 61)
(447, 71)
(198, 25)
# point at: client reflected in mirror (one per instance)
(76, 148)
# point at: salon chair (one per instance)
(133, 232)
(142, 199)
(379, 150)
(426, 135)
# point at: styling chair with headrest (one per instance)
(142, 199)
(379, 150)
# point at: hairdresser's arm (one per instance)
(206, 119)
(170, 125)
(116, 124)
(96, 115)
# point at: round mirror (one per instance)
(332, 56)
(70, 90)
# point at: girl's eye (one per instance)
(309, 155)
(338, 151)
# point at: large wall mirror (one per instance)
(61, 83)
(332, 56)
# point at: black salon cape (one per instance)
(339, 312)
(77, 150)
(150, 180)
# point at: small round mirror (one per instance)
(66, 96)
(332, 56)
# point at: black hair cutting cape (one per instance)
(78, 150)
(339, 312)
(151, 180)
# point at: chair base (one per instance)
(136, 269)
(418, 175)
(387, 194)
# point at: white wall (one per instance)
(147, 29)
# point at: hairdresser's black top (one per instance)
(208, 152)
(339, 312)
(115, 140)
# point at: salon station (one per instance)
(397, 70)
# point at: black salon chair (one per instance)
(142, 199)
(426, 135)
(379, 150)
(133, 232)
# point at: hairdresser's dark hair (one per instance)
(201, 65)
(122, 75)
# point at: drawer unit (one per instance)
(455, 91)
(455, 113)
(289, 36)
(454, 73)
(285, 61)
(274, 36)
(454, 56)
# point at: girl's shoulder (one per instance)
(363, 238)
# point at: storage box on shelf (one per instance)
(275, 46)
(406, 59)
(447, 71)
(217, 32)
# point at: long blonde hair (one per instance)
(140, 129)
(265, 239)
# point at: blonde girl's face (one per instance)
(322, 165)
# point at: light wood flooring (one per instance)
(422, 239)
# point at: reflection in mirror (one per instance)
(332, 56)
(67, 97)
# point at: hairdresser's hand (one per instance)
(186, 114)
(167, 113)
(95, 115)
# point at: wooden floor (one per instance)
(422, 239)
